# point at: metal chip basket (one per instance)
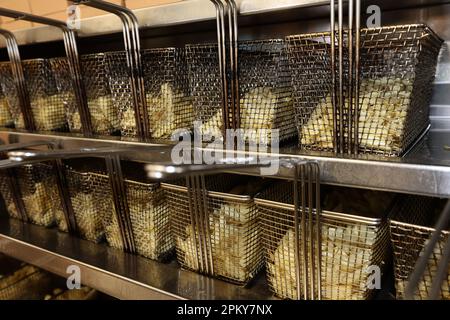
(149, 217)
(410, 232)
(89, 206)
(10, 93)
(47, 105)
(398, 65)
(165, 79)
(352, 241)
(102, 108)
(230, 230)
(265, 89)
(38, 191)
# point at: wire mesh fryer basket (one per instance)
(149, 217)
(264, 85)
(410, 232)
(166, 90)
(350, 245)
(38, 191)
(398, 64)
(89, 205)
(100, 102)
(10, 93)
(47, 104)
(233, 234)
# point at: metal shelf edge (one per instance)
(426, 171)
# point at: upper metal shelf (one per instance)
(190, 11)
(424, 171)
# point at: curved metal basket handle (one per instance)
(70, 45)
(234, 62)
(19, 79)
(232, 111)
(338, 82)
(132, 44)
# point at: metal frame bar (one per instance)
(198, 208)
(232, 12)
(341, 97)
(130, 29)
(334, 97)
(307, 230)
(122, 210)
(356, 88)
(71, 48)
(221, 47)
(342, 144)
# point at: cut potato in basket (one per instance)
(383, 106)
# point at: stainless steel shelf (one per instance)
(424, 171)
(113, 272)
(190, 11)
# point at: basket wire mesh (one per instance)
(350, 244)
(231, 230)
(8, 195)
(10, 93)
(64, 84)
(89, 206)
(398, 64)
(26, 283)
(148, 213)
(38, 192)
(410, 233)
(165, 80)
(6, 119)
(265, 90)
(96, 215)
(101, 106)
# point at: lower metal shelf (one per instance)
(121, 275)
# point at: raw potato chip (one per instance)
(344, 263)
(383, 102)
